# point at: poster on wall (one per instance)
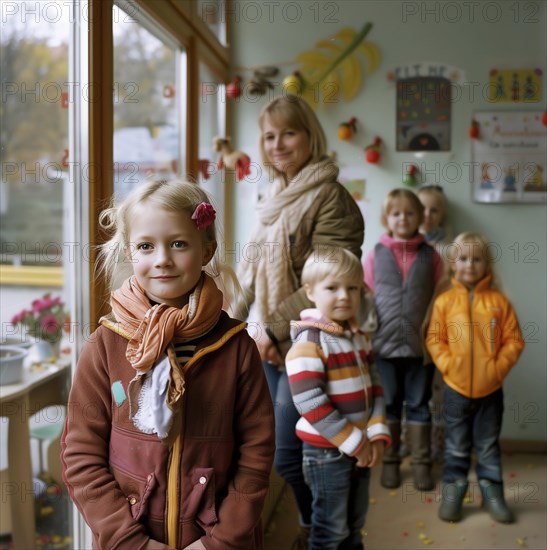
(515, 85)
(509, 157)
(423, 113)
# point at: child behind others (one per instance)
(474, 339)
(169, 439)
(337, 391)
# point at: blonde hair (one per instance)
(328, 260)
(407, 195)
(453, 251)
(437, 192)
(298, 115)
(172, 195)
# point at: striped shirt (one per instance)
(335, 385)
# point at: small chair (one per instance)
(41, 433)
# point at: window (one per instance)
(212, 123)
(34, 134)
(148, 94)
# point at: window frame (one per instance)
(179, 18)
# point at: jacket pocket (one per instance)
(132, 462)
(138, 501)
(201, 501)
(136, 489)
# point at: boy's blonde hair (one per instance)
(407, 195)
(171, 195)
(294, 112)
(331, 260)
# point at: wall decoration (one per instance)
(260, 82)
(427, 68)
(233, 88)
(334, 69)
(356, 187)
(373, 152)
(409, 178)
(231, 158)
(509, 159)
(423, 113)
(347, 129)
(293, 83)
(515, 85)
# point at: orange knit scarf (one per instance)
(154, 327)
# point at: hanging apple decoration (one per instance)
(373, 151)
(474, 130)
(347, 129)
(410, 177)
(544, 118)
(169, 91)
(293, 84)
(233, 89)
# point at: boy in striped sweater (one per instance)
(337, 391)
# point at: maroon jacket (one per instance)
(210, 485)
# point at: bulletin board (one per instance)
(509, 157)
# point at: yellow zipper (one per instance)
(172, 500)
(176, 450)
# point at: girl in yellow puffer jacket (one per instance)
(474, 339)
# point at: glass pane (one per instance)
(147, 95)
(35, 247)
(34, 136)
(211, 125)
(213, 13)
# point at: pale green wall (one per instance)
(499, 37)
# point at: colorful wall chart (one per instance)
(423, 113)
(515, 85)
(509, 159)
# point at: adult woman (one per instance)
(304, 208)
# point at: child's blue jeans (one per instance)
(407, 383)
(340, 498)
(288, 448)
(472, 424)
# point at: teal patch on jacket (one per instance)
(118, 392)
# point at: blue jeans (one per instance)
(288, 447)
(340, 499)
(406, 382)
(472, 424)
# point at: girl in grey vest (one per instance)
(402, 270)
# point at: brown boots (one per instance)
(419, 436)
(391, 478)
(420, 441)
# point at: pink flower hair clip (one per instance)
(204, 215)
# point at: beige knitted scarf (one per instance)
(266, 273)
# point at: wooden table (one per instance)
(40, 387)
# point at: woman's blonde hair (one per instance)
(407, 195)
(326, 260)
(294, 112)
(171, 195)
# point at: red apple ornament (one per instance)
(233, 89)
(474, 130)
(373, 151)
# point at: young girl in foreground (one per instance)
(474, 339)
(402, 271)
(169, 440)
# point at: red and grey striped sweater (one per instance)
(335, 385)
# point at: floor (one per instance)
(407, 519)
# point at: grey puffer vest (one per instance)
(401, 306)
